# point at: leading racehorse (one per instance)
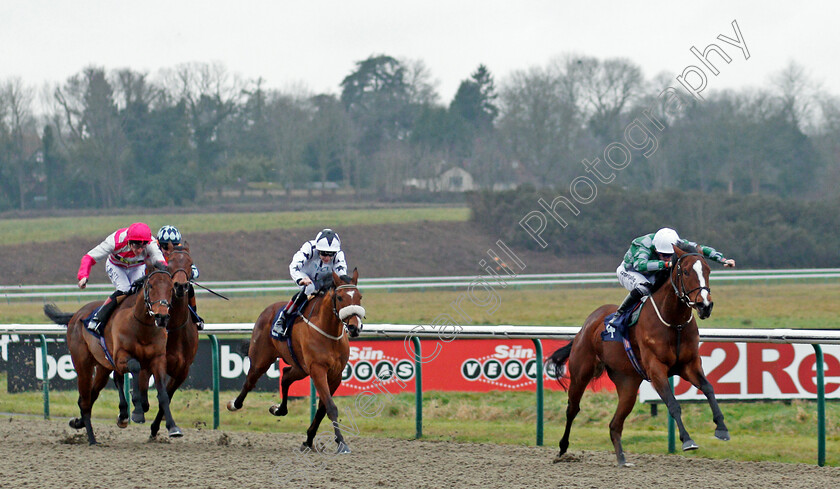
(135, 336)
(182, 338)
(664, 342)
(318, 347)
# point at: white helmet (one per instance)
(664, 240)
(327, 240)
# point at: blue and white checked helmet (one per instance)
(169, 234)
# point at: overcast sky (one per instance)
(316, 43)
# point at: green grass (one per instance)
(781, 305)
(50, 229)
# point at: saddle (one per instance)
(624, 322)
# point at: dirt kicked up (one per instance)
(35, 453)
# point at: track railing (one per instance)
(256, 287)
(535, 333)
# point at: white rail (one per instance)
(401, 331)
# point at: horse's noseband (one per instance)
(347, 311)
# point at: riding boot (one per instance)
(199, 322)
(100, 318)
(280, 325)
(627, 304)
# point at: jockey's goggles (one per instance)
(326, 253)
(138, 244)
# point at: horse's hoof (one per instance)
(122, 422)
(304, 448)
(77, 423)
(722, 435)
(231, 405)
(343, 448)
(690, 445)
(175, 432)
(278, 410)
(138, 418)
(627, 464)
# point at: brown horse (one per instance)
(665, 341)
(182, 341)
(320, 349)
(135, 336)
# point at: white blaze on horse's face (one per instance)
(704, 293)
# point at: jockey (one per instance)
(126, 250)
(315, 260)
(647, 255)
(168, 238)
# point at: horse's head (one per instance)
(690, 279)
(157, 294)
(180, 267)
(347, 301)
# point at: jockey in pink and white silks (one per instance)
(316, 260)
(126, 251)
(648, 255)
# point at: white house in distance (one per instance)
(454, 179)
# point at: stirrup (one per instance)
(279, 326)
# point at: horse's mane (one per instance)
(326, 284)
(686, 247)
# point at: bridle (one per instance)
(147, 299)
(683, 295)
(181, 270)
(347, 311)
(341, 314)
(679, 290)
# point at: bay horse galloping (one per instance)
(135, 336)
(665, 341)
(182, 338)
(319, 348)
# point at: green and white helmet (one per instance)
(664, 240)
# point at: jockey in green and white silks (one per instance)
(647, 255)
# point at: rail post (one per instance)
(46, 380)
(540, 392)
(820, 406)
(418, 389)
(214, 357)
(672, 437)
(312, 400)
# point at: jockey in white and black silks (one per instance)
(126, 251)
(316, 260)
(168, 237)
(648, 255)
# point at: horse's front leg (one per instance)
(139, 387)
(659, 380)
(694, 374)
(119, 382)
(158, 368)
(325, 390)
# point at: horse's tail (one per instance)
(558, 359)
(58, 317)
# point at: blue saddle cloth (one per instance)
(86, 322)
(96, 335)
(625, 322)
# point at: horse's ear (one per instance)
(185, 245)
(336, 279)
(355, 276)
(678, 251)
